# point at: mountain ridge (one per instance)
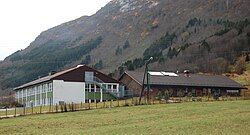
(140, 22)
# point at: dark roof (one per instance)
(193, 80)
(54, 76)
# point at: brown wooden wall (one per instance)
(131, 84)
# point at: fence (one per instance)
(71, 107)
(246, 92)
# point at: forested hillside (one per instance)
(199, 35)
(215, 53)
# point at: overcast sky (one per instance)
(23, 20)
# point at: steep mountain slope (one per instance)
(100, 39)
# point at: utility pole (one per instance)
(148, 87)
(145, 73)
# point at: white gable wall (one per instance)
(68, 92)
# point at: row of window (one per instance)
(96, 88)
(44, 101)
(43, 88)
(110, 87)
(90, 87)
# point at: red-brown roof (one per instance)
(193, 80)
(59, 75)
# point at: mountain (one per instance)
(200, 35)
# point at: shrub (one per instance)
(240, 65)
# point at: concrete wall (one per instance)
(58, 90)
(68, 91)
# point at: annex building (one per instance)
(185, 83)
(78, 84)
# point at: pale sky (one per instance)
(21, 21)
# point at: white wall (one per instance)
(68, 91)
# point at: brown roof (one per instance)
(194, 80)
(56, 75)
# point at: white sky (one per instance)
(21, 21)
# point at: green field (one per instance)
(221, 117)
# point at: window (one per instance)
(32, 91)
(98, 101)
(35, 90)
(24, 92)
(92, 88)
(28, 92)
(98, 88)
(86, 101)
(38, 90)
(43, 88)
(109, 86)
(20, 94)
(87, 88)
(46, 87)
(50, 101)
(38, 102)
(50, 87)
(114, 87)
(43, 101)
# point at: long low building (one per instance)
(78, 84)
(185, 83)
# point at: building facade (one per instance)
(196, 85)
(78, 84)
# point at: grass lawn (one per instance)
(222, 117)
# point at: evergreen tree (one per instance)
(138, 62)
(87, 60)
(205, 45)
(129, 65)
(99, 65)
(118, 51)
(172, 52)
(126, 45)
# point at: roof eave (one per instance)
(140, 83)
(18, 88)
(176, 85)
